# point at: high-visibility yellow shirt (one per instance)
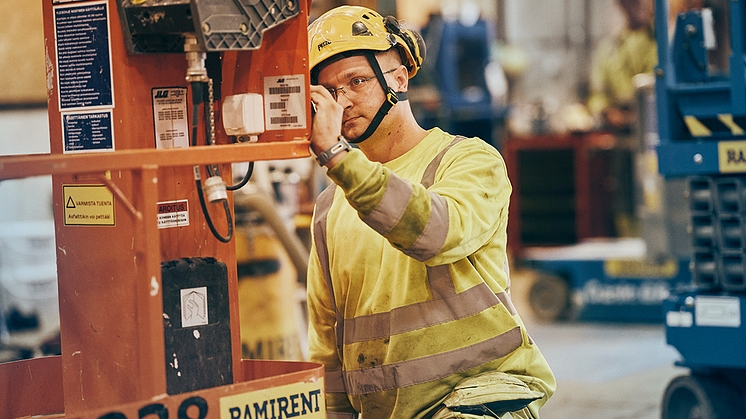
(414, 253)
(616, 63)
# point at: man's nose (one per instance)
(342, 98)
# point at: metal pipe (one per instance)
(290, 241)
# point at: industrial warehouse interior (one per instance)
(132, 285)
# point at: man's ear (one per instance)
(401, 75)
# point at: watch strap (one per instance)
(325, 156)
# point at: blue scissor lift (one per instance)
(701, 110)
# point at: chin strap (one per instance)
(392, 98)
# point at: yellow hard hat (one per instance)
(347, 29)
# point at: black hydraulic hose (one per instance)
(196, 102)
(228, 217)
(243, 181)
(200, 96)
(198, 99)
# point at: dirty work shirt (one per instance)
(420, 278)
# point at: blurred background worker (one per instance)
(408, 283)
(617, 62)
(612, 103)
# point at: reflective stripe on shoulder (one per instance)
(428, 178)
(434, 235)
(433, 367)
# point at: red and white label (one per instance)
(173, 214)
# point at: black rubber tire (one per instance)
(701, 397)
(549, 297)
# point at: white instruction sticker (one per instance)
(194, 307)
(284, 102)
(170, 117)
(718, 311)
(173, 214)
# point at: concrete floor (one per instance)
(603, 370)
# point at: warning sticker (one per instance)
(284, 102)
(170, 117)
(173, 214)
(88, 205)
(732, 156)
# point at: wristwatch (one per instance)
(328, 154)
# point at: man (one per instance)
(613, 104)
(616, 63)
(408, 276)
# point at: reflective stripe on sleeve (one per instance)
(434, 234)
(393, 204)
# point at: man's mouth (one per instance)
(350, 120)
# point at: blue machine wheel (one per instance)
(701, 397)
(549, 297)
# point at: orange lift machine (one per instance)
(150, 101)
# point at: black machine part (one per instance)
(197, 350)
(158, 26)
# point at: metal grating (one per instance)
(239, 24)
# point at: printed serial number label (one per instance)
(170, 117)
(284, 102)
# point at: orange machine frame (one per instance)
(109, 276)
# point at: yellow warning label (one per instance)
(304, 400)
(88, 205)
(732, 156)
(641, 268)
